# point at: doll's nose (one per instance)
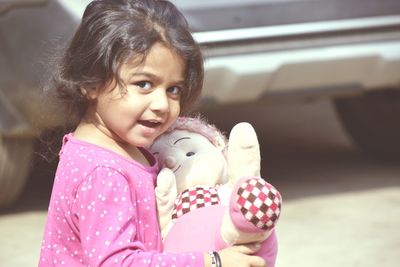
(170, 162)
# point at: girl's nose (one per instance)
(160, 101)
(170, 162)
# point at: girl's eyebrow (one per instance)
(154, 77)
(183, 138)
(148, 74)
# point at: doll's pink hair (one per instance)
(200, 126)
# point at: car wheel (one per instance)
(15, 163)
(373, 121)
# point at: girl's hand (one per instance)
(238, 256)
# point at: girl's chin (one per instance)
(143, 142)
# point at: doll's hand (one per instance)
(243, 152)
(166, 194)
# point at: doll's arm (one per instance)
(254, 210)
(166, 194)
(243, 154)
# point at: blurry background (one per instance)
(318, 79)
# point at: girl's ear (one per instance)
(89, 93)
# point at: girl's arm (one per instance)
(107, 217)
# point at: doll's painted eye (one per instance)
(189, 154)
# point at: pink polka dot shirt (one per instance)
(102, 212)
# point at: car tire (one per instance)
(373, 121)
(15, 163)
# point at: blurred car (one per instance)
(255, 50)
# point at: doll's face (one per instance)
(192, 157)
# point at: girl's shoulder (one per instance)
(89, 154)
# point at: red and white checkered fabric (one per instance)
(194, 198)
(259, 202)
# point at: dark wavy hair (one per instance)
(113, 32)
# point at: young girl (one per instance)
(130, 70)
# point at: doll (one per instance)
(209, 191)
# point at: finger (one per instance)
(254, 247)
(256, 261)
(248, 248)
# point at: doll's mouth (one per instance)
(177, 168)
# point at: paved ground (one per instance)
(340, 208)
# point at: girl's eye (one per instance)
(143, 84)
(175, 90)
(189, 154)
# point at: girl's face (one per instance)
(150, 103)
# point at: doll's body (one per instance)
(200, 229)
(209, 197)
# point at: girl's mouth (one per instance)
(149, 127)
(149, 124)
